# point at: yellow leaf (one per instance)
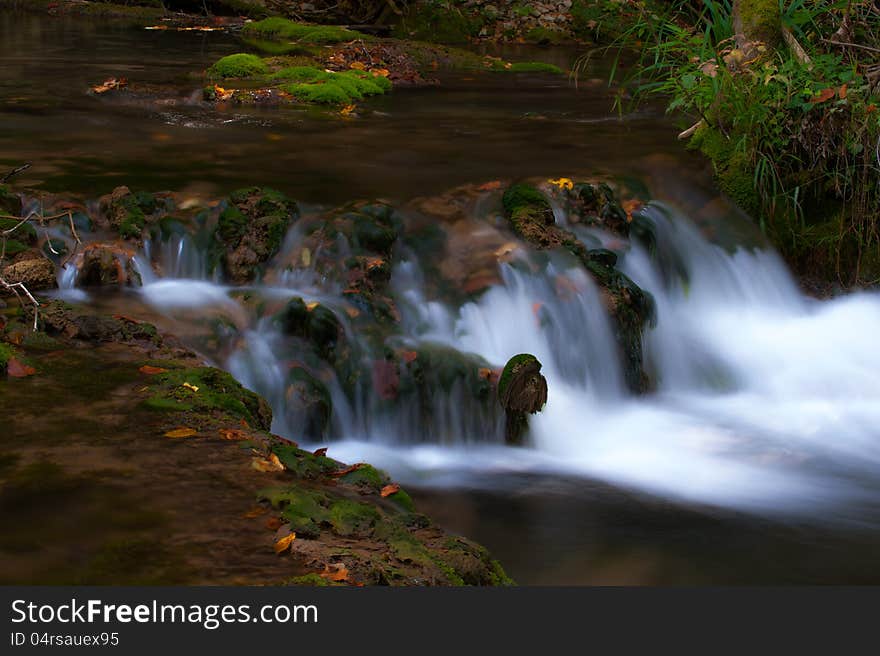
(306, 257)
(190, 387)
(284, 543)
(347, 110)
(181, 432)
(388, 490)
(562, 183)
(270, 464)
(380, 72)
(311, 306)
(338, 573)
(358, 66)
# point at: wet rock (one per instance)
(309, 406)
(315, 323)
(250, 231)
(102, 264)
(522, 390)
(34, 274)
(127, 212)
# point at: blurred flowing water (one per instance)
(756, 458)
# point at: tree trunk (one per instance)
(757, 21)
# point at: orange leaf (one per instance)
(358, 66)
(270, 464)
(273, 523)
(347, 470)
(256, 512)
(824, 95)
(284, 544)
(842, 92)
(490, 186)
(338, 573)
(18, 370)
(181, 432)
(151, 371)
(388, 490)
(409, 356)
(352, 312)
(233, 434)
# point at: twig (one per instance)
(799, 53)
(16, 171)
(851, 45)
(690, 131)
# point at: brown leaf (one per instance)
(284, 544)
(409, 356)
(388, 490)
(320, 452)
(233, 434)
(824, 95)
(274, 523)
(338, 573)
(842, 92)
(151, 371)
(256, 512)
(18, 370)
(181, 432)
(347, 470)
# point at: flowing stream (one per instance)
(760, 436)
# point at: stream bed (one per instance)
(754, 459)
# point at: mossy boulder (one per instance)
(250, 230)
(239, 65)
(315, 323)
(207, 391)
(35, 274)
(127, 212)
(522, 390)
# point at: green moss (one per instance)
(24, 231)
(281, 28)
(352, 518)
(6, 352)
(513, 365)
(320, 94)
(238, 65)
(545, 36)
(402, 499)
(366, 476)
(132, 224)
(313, 580)
(305, 510)
(440, 22)
(217, 391)
(14, 247)
(232, 224)
(302, 463)
(761, 20)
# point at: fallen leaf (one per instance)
(122, 317)
(321, 452)
(306, 257)
(338, 573)
(190, 387)
(270, 464)
(388, 490)
(284, 544)
(824, 94)
(490, 186)
(347, 110)
(151, 371)
(409, 356)
(842, 92)
(181, 432)
(347, 470)
(233, 434)
(18, 370)
(358, 66)
(562, 183)
(311, 306)
(256, 512)
(380, 72)
(353, 313)
(110, 83)
(274, 523)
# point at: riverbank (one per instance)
(158, 470)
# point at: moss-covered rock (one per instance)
(522, 390)
(309, 405)
(207, 391)
(250, 230)
(239, 65)
(282, 28)
(127, 212)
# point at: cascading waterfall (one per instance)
(763, 399)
